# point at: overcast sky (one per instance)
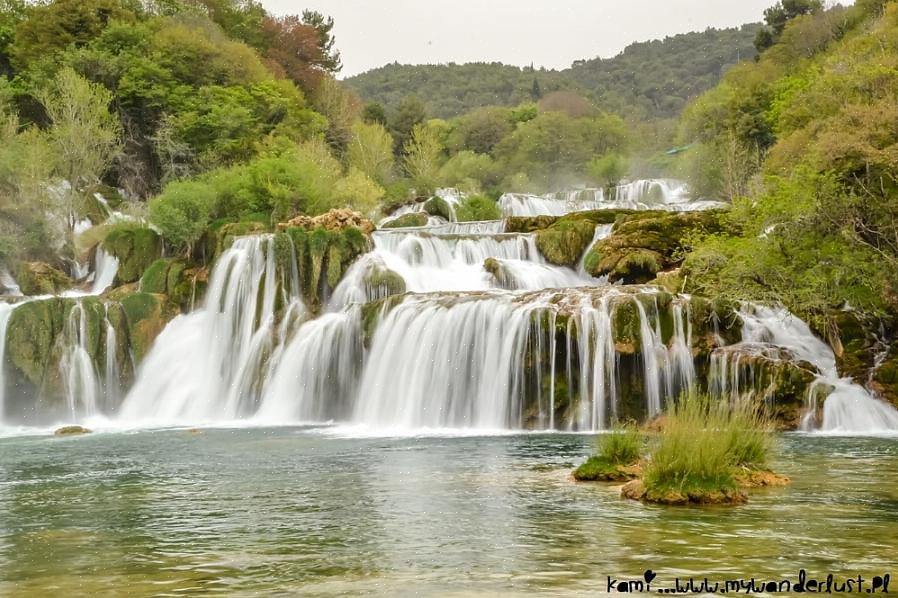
(550, 33)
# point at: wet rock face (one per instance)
(39, 278)
(437, 206)
(41, 334)
(643, 244)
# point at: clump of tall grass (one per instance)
(702, 444)
(621, 447)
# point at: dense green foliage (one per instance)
(647, 80)
(803, 142)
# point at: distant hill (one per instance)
(653, 79)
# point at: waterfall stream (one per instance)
(453, 325)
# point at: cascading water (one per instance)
(6, 310)
(209, 365)
(848, 408)
(648, 194)
(105, 269)
(82, 385)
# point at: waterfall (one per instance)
(112, 375)
(486, 362)
(6, 310)
(314, 380)
(208, 365)
(8, 283)
(648, 194)
(105, 269)
(82, 386)
(430, 262)
(849, 408)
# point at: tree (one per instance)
(608, 170)
(183, 212)
(374, 113)
(331, 61)
(371, 151)
(85, 135)
(535, 92)
(778, 15)
(409, 114)
(295, 49)
(55, 26)
(422, 159)
(481, 131)
(341, 107)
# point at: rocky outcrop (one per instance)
(38, 278)
(334, 220)
(414, 219)
(645, 243)
(42, 334)
(183, 283)
(564, 242)
(135, 248)
(321, 256)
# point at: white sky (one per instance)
(550, 33)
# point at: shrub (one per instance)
(477, 207)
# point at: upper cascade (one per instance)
(647, 194)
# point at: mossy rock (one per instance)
(500, 273)
(724, 495)
(563, 243)
(30, 336)
(437, 206)
(373, 312)
(382, 282)
(135, 248)
(39, 278)
(642, 244)
(226, 233)
(415, 219)
(155, 277)
(147, 315)
(597, 469)
(885, 377)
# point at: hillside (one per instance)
(648, 79)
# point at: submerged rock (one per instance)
(71, 431)
(636, 490)
(597, 469)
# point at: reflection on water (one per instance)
(240, 512)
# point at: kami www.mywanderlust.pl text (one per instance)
(830, 584)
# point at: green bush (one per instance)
(477, 207)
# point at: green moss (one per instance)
(155, 277)
(385, 282)
(30, 335)
(597, 469)
(147, 315)
(563, 243)
(437, 206)
(226, 233)
(38, 278)
(625, 326)
(135, 248)
(642, 244)
(407, 221)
